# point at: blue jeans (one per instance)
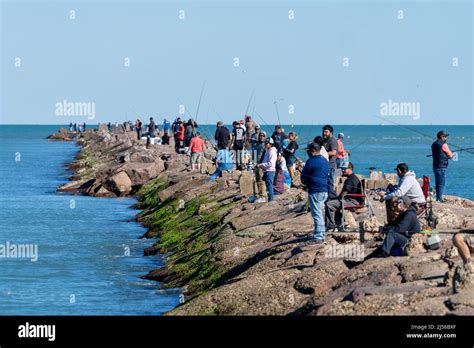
(316, 204)
(269, 178)
(440, 182)
(331, 176)
(219, 169)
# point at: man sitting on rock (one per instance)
(399, 232)
(464, 242)
(352, 185)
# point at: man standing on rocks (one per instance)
(258, 151)
(237, 143)
(315, 177)
(151, 128)
(441, 155)
(222, 136)
(341, 152)
(331, 147)
(269, 166)
(196, 148)
(138, 128)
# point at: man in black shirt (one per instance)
(330, 144)
(399, 232)
(352, 185)
(222, 136)
(278, 136)
(237, 143)
(151, 128)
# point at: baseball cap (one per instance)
(347, 165)
(313, 146)
(340, 135)
(441, 133)
(269, 141)
(405, 200)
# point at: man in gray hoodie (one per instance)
(407, 186)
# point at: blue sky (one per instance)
(297, 61)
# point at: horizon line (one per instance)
(275, 124)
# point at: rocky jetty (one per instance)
(233, 257)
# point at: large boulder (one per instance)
(140, 173)
(447, 219)
(246, 183)
(120, 184)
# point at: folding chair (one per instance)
(353, 207)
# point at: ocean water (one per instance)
(82, 267)
(383, 147)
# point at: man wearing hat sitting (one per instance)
(399, 232)
(352, 185)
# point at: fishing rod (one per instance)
(276, 107)
(248, 105)
(416, 131)
(465, 149)
(200, 98)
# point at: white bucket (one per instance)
(152, 141)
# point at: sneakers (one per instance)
(316, 242)
(260, 200)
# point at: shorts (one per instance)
(469, 239)
(196, 157)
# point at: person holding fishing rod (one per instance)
(441, 154)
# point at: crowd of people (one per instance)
(273, 160)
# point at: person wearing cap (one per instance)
(334, 206)
(315, 177)
(341, 152)
(222, 136)
(441, 154)
(166, 126)
(269, 166)
(399, 232)
(254, 137)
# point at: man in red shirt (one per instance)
(341, 152)
(180, 137)
(196, 148)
